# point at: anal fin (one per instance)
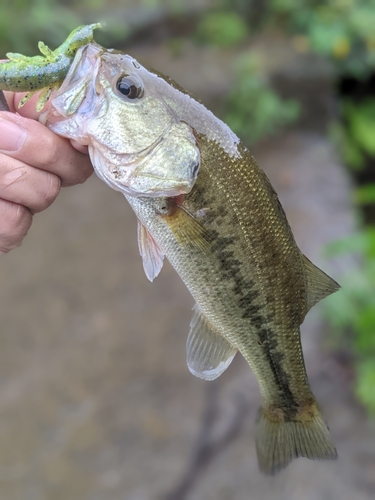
(208, 353)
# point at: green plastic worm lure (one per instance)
(43, 72)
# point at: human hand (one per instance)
(34, 164)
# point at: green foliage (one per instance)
(253, 109)
(342, 30)
(366, 383)
(351, 312)
(24, 23)
(223, 29)
(355, 134)
(365, 195)
(361, 124)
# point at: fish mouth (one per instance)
(156, 186)
(148, 177)
(137, 179)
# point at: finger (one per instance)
(34, 144)
(19, 183)
(14, 223)
(28, 110)
(3, 102)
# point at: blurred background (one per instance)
(96, 401)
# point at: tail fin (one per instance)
(279, 441)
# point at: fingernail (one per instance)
(12, 136)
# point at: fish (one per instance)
(203, 203)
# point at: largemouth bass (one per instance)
(203, 203)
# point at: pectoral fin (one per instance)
(189, 231)
(319, 284)
(208, 353)
(151, 254)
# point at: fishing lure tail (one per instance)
(278, 442)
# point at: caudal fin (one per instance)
(278, 442)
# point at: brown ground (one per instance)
(96, 401)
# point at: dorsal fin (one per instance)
(319, 284)
(208, 354)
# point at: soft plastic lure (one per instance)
(43, 72)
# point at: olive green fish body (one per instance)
(244, 269)
(231, 244)
(47, 71)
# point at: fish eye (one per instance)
(129, 87)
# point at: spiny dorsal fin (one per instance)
(208, 354)
(319, 284)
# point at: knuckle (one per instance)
(49, 150)
(50, 191)
(15, 226)
(80, 170)
(84, 172)
(19, 218)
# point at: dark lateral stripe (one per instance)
(244, 289)
(268, 340)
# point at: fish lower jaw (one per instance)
(145, 187)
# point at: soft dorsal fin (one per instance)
(319, 284)
(208, 353)
(151, 254)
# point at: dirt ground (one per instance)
(96, 401)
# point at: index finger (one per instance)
(3, 102)
(29, 109)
